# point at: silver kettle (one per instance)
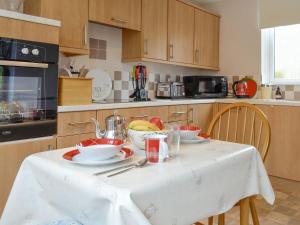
(114, 127)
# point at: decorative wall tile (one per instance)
(118, 75)
(125, 85)
(117, 85)
(118, 94)
(98, 49)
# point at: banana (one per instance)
(142, 125)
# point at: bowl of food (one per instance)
(188, 132)
(138, 129)
(100, 149)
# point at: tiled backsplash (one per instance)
(122, 84)
(290, 92)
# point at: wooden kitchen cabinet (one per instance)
(200, 115)
(181, 32)
(284, 155)
(70, 141)
(73, 123)
(151, 42)
(73, 14)
(119, 13)
(206, 42)
(143, 113)
(11, 157)
(178, 113)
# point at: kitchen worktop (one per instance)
(97, 106)
(29, 18)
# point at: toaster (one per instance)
(170, 90)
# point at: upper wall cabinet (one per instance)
(206, 43)
(181, 32)
(151, 42)
(174, 32)
(119, 13)
(73, 14)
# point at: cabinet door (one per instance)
(11, 157)
(155, 28)
(119, 13)
(284, 156)
(178, 113)
(73, 15)
(181, 32)
(206, 39)
(200, 115)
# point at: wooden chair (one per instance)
(246, 124)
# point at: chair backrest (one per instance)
(242, 123)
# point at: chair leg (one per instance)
(244, 211)
(210, 220)
(253, 212)
(221, 219)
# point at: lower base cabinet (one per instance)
(284, 153)
(69, 141)
(200, 115)
(11, 158)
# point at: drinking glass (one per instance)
(173, 139)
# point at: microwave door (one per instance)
(207, 86)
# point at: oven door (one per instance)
(28, 100)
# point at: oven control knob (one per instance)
(25, 51)
(35, 51)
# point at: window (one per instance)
(281, 55)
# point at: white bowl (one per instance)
(137, 138)
(189, 134)
(99, 152)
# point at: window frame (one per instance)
(268, 60)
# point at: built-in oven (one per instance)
(28, 89)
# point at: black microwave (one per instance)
(205, 86)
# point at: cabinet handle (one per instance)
(85, 33)
(192, 120)
(171, 51)
(119, 20)
(178, 113)
(139, 117)
(146, 46)
(79, 123)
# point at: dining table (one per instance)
(203, 180)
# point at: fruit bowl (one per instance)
(189, 132)
(137, 138)
(100, 149)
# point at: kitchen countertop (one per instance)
(95, 106)
(29, 18)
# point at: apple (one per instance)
(157, 122)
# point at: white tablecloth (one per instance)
(204, 180)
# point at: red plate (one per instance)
(74, 157)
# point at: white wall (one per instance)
(239, 37)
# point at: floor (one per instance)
(285, 211)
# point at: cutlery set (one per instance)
(123, 169)
(139, 79)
